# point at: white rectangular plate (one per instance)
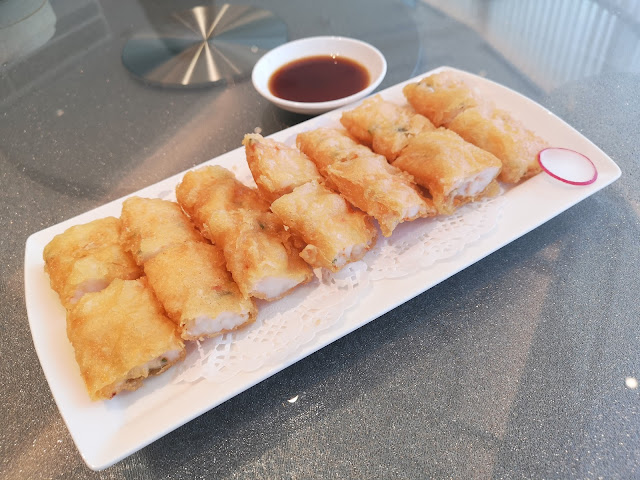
(106, 432)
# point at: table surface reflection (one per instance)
(522, 365)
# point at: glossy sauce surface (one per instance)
(319, 79)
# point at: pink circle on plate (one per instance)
(568, 166)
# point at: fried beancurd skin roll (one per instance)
(120, 336)
(440, 97)
(277, 168)
(381, 190)
(208, 190)
(149, 225)
(87, 258)
(336, 233)
(498, 132)
(325, 146)
(261, 255)
(198, 293)
(366, 179)
(384, 126)
(454, 171)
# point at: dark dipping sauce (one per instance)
(318, 79)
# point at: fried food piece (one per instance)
(214, 189)
(120, 336)
(454, 171)
(324, 146)
(440, 97)
(149, 225)
(86, 258)
(366, 179)
(187, 275)
(336, 234)
(277, 168)
(381, 190)
(260, 254)
(448, 101)
(498, 132)
(384, 126)
(197, 291)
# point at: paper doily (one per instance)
(287, 325)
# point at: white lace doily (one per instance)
(284, 327)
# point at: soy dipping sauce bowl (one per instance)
(358, 51)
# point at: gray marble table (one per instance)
(520, 366)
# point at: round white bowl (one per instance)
(367, 55)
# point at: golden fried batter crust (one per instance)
(255, 243)
(192, 283)
(117, 334)
(335, 232)
(384, 126)
(440, 97)
(149, 225)
(496, 131)
(450, 168)
(277, 168)
(385, 192)
(87, 258)
(325, 146)
(366, 179)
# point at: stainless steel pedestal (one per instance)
(203, 46)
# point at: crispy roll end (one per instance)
(454, 171)
(277, 168)
(86, 258)
(335, 233)
(149, 225)
(120, 336)
(198, 293)
(440, 97)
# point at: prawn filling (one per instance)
(384, 126)
(277, 168)
(336, 234)
(262, 256)
(149, 225)
(454, 171)
(197, 291)
(87, 258)
(440, 97)
(120, 336)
